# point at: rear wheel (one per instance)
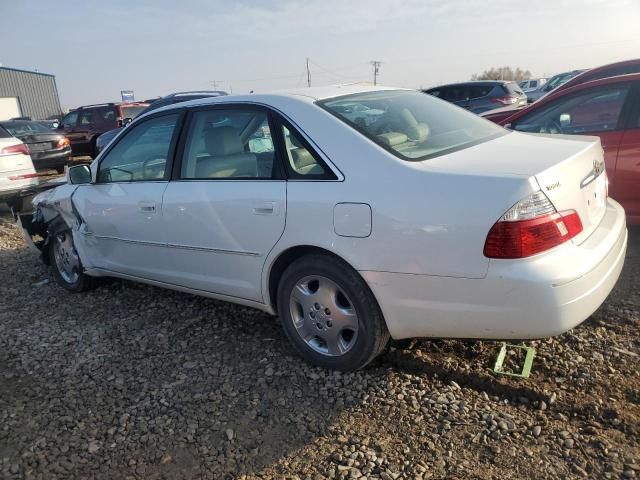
(329, 314)
(65, 261)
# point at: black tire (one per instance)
(77, 283)
(371, 335)
(60, 169)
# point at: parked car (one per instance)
(18, 178)
(531, 84)
(84, 125)
(608, 108)
(610, 70)
(553, 83)
(48, 149)
(105, 138)
(480, 96)
(427, 221)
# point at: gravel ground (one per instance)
(131, 381)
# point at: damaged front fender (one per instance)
(53, 212)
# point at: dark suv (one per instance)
(170, 99)
(85, 124)
(480, 96)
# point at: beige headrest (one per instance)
(418, 132)
(392, 138)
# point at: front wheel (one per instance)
(65, 261)
(329, 314)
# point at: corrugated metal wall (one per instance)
(36, 92)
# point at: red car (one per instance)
(610, 70)
(608, 108)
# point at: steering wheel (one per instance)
(551, 126)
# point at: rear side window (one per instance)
(88, 117)
(301, 161)
(4, 133)
(142, 154)
(105, 115)
(132, 111)
(414, 126)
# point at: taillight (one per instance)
(531, 226)
(15, 150)
(509, 100)
(63, 142)
(24, 176)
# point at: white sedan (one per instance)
(417, 220)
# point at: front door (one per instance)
(68, 128)
(122, 211)
(226, 208)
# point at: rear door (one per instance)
(123, 228)
(626, 187)
(225, 209)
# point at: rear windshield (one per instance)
(132, 112)
(18, 129)
(412, 125)
(4, 133)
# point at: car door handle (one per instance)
(147, 207)
(265, 208)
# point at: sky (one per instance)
(155, 47)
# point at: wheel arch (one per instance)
(283, 260)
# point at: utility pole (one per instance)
(215, 83)
(308, 74)
(376, 70)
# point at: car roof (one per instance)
(632, 77)
(308, 95)
(587, 75)
(472, 82)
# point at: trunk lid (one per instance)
(579, 183)
(14, 162)
(562, 165)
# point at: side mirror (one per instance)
(565, 119)
(79, 174)
(127, 121)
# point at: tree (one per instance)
(502, 73)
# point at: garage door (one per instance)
(9, 108)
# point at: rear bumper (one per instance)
(24, 189)
(51, 159)
(537, 297)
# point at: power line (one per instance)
(376, 70)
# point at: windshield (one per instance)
(18, 129)
(412, 125)
(132, 112)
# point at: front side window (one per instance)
(142, 154)
(70, 120)
(233, 143)
(596, 110)
(414, 126)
